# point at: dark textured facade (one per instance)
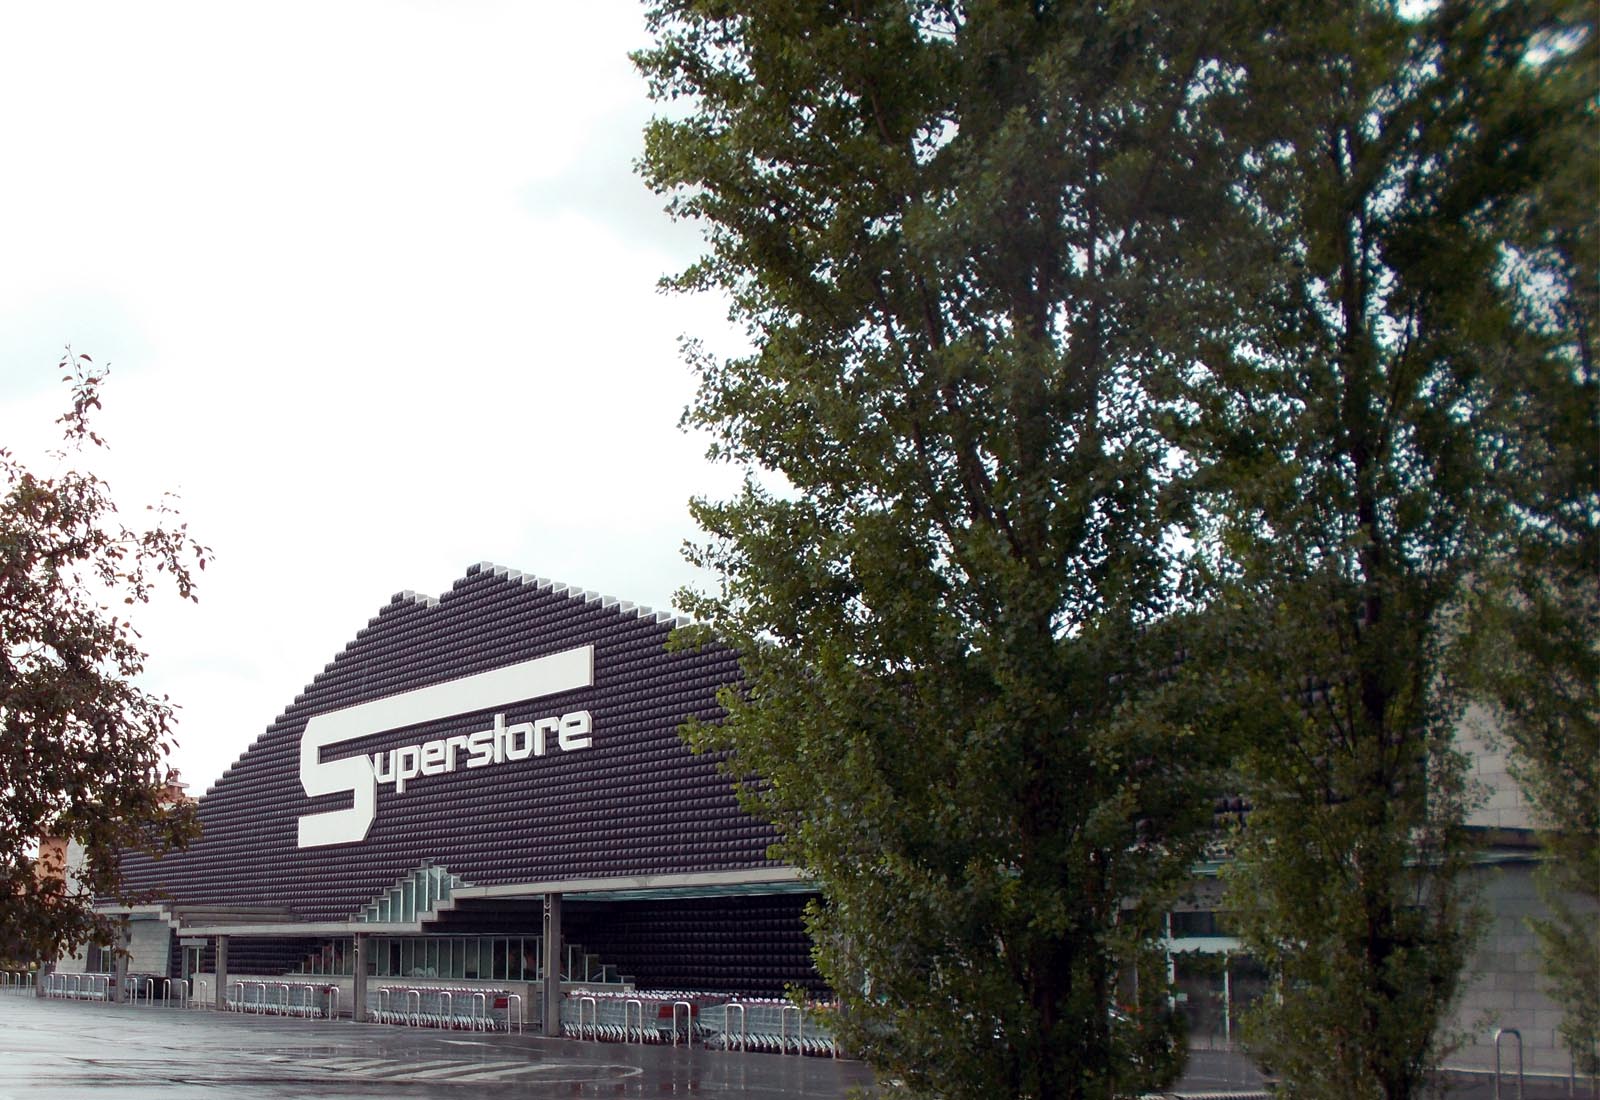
(590, 792)
(635, 802)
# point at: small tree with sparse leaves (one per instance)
(83, 747)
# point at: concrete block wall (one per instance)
(149, 947)
(77, 963)
(149, 950)
(1503, 985)
(1503, 806)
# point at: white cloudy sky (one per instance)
(377, 287)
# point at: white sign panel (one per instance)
(360, 775)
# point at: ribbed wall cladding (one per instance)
(636, 802)
(755, 946)
(262, 957)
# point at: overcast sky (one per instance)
(378, 291)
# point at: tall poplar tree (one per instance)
(953, 233)
(1363, 437)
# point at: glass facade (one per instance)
(1213, 991)
(1214, 981)
(485, 958)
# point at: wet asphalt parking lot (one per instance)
(67, 1049)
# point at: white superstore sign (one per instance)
(498, 744)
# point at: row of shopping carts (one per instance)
(305, 1000)
(443, 1007)
(714, 1021)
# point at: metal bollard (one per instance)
(1498, 1035)
(513, 999)
(799, 1029)
(688, 1022)
(727, 1028)
(627, 1007)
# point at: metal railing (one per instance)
(77, 987)
(134, 985)
(1499, 1034)
(456, 1008)
(715, 1021)
(18, 981)
(306, 1000)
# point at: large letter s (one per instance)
(353, 774)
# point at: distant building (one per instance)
(1502, 986)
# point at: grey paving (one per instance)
(62, 1049)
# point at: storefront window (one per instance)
(1248, 982)
(1199, 981)
(1213, 990)
(481, 958)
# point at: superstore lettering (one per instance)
(359, 776)
(480, 749)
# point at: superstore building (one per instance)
(489, 786)
(484, 787)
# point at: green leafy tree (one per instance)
(82, 746)
(954, 233)
(1536, 612)
(1536, 660)
(1355, 436)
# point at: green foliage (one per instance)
(953, 232)
(1536, 613)
(82, 746)
(1040, 294)
(1362, 440)
(1534, 659)
(1569, 944)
